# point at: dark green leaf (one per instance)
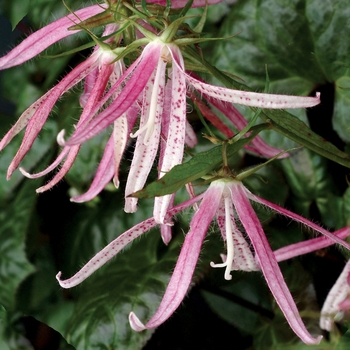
(15, 10)
(279, 34)
(341, 115)
(308, 176)
(329, 25)
(199, 165)
(12, 333)
(14, 221)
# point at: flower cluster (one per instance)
(139, 90)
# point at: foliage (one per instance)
(304, 45)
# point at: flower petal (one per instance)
(186, 263)
(308, 246)
(135, 80)
(175, 143)
(36, 115)
(298, 218)
(46, 36)
(148, 140)
(104, 174)
(116, 246)
(253, 99)
(268, 263)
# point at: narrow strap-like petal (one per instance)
(298, 218)
(134, 81)
(146, 149)
(68, 163)
(268, 263)
(104, 174)
(116, 246)
(186, 263)
(41, 111)
(253, 99)
(308, 246)
(175, 143)
(46, 36)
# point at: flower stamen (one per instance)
(229, 242)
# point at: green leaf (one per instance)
(328, 22)
(199, 165)
(243, 313)
(308, 176)
(14, 222)
(101, 316)
(12, 334)
(15, 10)
(344, 342)
(341, 116)
(282, 35)
(247, 54)
(281, 25)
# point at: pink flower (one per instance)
(99, 72)
(229, 201)
(147, 77)
(114, 95)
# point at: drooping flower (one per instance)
(148, 84)
(229, 201)
(99, 72)
(153, 60)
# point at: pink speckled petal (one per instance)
(268, 263)
(116, 246)
(186, 263)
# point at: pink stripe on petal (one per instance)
(298, 218)
(308, 246)
(120, 137)
(36, 122)
(186, 263)
(259, 146)
(46, 36)
(103, 176)
(190, 136)
(135, 80)
(146, 149)
(174, 148)
(268, 263)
